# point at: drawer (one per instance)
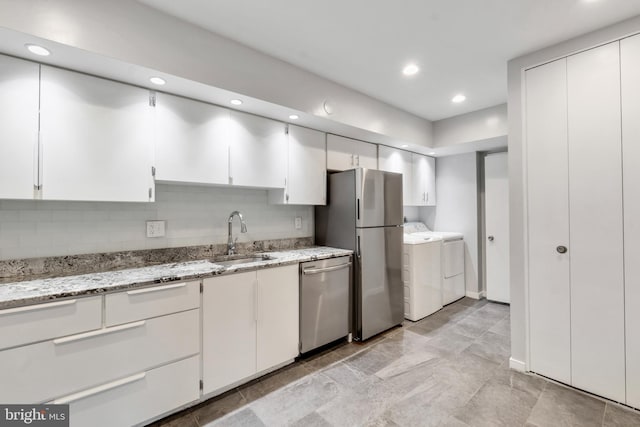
(137, 398)
(33, 323)
(145, 303)
(46, 370)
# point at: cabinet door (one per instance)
(229, 311)
(366, 155)
(346, 153)
(19, 92)
(278, 316)
(595, 222)
(630, 64)
(394, 160)
(424, 180)
(307, 181)
(548, 221)
(258, 148)
(191, 141)
(96, 138)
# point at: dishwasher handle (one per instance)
(325, 270)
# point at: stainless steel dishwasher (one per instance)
(324, 301)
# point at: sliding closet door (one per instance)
(630, 64)
(595, 222)
(548, 219)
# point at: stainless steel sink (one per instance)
(242, 260)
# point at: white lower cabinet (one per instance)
(136, 398)
(76, 362)
(250, 325)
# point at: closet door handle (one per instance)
(561, 249)
(490, 238)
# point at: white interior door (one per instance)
(595, 222)
(630, 72)
(496, 187)
(548, 221)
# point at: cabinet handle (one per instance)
(100, 389)
(561, 249)
(156, 289)
(358, 160)
(37, 307)
(352, 160)
(98, 333)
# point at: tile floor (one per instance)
(450, 369)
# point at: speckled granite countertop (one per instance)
(44, 290)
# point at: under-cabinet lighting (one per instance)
(294, 117)
(432, 153)
(157, 81)
(37, 50)
(458, 98)
(236, 102)
(404, 146)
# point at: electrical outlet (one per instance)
(298, 223)
(155, 228)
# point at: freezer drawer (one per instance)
(324, 301)
(379, 292)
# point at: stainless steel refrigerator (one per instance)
(364, 214)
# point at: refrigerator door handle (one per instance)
(358, 210)
(358, 253)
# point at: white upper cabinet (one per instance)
(399, 161)
(19, 87)
(307, 169)
(423, 180)
(96, 138)
(346, 153)
(257, 151)
(192, 143)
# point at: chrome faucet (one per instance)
(231, 244)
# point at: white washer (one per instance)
(422, 276)
(453, 283)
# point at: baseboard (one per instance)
(476, 295)
(517, 365)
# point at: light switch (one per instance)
(155, 228)
(298, 223)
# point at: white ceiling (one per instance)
(461, 46)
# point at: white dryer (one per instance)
(453, 283)
(422, 276)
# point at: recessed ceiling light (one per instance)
(37, 50)
(458, 98)
(410, 69)
(236, 101)
(157, 81)
(404, 146)
(432, 153)
(294, 117)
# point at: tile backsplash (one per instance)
(194, 215)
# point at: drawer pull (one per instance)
(37, 307)
(156, 289)
(100, 389)
(99, 332)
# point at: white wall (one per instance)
(195, 215)
(457, 207)
(131, 32)
(517, 182)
